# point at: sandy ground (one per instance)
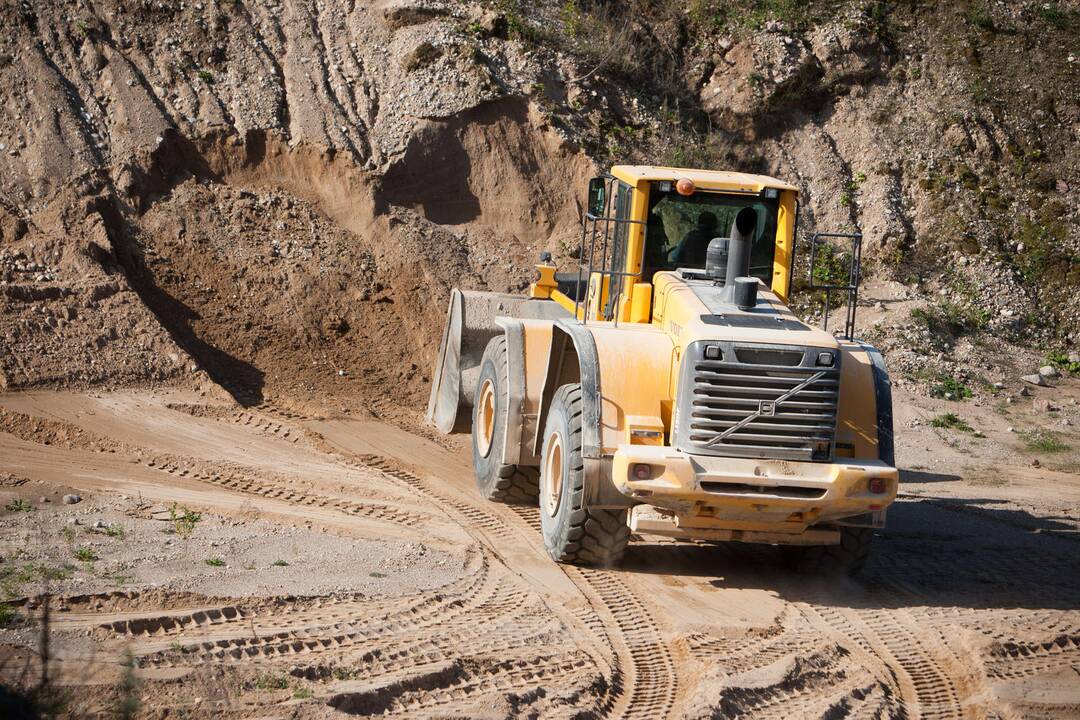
(338, 565)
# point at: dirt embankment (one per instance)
(277, 198)
(205, 194)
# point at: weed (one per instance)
(215, 562)
(114, 530)
(302, 694)
(18, 505)
(12, 579)
(7, 615)
(85, 554)
(979, 16)
(177, 646)
(121, 579)
(341, 673)
(952, 421)
(981, 91)
(68, 534)
(376, 574)
(206, 76)
(184, 522)
(949, 320)
(270, 681)
(1046, 441)
(752, 16)
(1053, 14)
(1061, 361)
(831, 266)
(949, 388)
(279, 563)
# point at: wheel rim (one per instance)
(553, 474)
(485, 418)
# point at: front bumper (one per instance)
(757, 500)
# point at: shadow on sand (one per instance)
(933, 552)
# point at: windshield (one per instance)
(680, 227)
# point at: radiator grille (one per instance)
(739, 409)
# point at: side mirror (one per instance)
(597, 197)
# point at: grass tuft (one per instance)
(1046, 441)
(184, 520)
(215, 562)
(949, 388)
(952, 421)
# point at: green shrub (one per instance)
(952, 421)
(184, 521)
(949, 388)
(1060, 360)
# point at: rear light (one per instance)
(878, 486)
(641, 471)
(825, 359)
(713, 352)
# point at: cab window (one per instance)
(679, 228)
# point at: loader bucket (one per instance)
(470, 324)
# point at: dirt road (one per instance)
(255, 562)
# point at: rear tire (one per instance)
(847, 558)
(498, 482)
(574, 533)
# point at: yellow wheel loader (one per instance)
(664, 387)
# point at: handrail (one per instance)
(852, 287)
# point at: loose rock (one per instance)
(72, 499)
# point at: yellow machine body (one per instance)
(635, 357)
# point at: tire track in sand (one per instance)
(645, 684)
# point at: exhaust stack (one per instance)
(739, 288)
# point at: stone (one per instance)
(999, 386)
(1049, 371)
(72, 499)
(1074, 357)
(1044, 405)
(1036, 379)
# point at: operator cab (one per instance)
(679, 228)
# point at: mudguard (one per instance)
(883, 400)
(574, 358)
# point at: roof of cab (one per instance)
(705, 179)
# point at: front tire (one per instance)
(847, 558)
(574, 533)
(498, 482)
